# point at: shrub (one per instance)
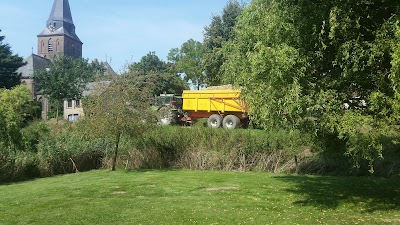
(70, 151)
(217, 149)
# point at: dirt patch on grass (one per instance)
(222, 188)
(119, 192)
(394, 220)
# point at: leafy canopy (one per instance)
(188, 61)
(216, 35)
(330, 67)
(9, 65)
(15, 106)
(156, 75)
(118, 108)
(66, 78)
(148, 63)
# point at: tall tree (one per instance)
(189, 61)
(118, 109)
(158, 83)
(65, 79)
(156, 75)
(301, 62)
(215, 36)
(9, 65)
(148, 63)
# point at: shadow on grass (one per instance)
(370, 194)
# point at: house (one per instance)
(73, 109)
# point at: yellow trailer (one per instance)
(221, 107)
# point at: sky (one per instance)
(119, 31)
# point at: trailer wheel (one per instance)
(214, 121)
(231, 122)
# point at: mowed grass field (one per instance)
(200, 197)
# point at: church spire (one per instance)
(61, 17)
(59, 35)
(61, 12)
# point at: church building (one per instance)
(58, 37)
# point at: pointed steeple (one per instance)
(59, 35)
(60, 20)
(60, 12)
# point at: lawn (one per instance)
(200, 197)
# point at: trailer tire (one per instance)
(214, 121)
(231, 122)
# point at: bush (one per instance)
(70, 151)
(217, 149)
(33, 134)
(51, 150)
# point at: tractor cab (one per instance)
(169, 107)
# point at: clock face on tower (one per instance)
(51, 28)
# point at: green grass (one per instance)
(193, 197)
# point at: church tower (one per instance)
(59, 36)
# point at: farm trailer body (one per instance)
(221, 107)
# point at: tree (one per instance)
(158, 83)
(15, 106)
(9, 65)
(157, 76)
(215, 36)
(263, 58)
(301, 62)
(188, 61)
(118, 109)
(148, 63)
(98, 67)
(65, 79)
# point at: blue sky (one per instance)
(121, 30)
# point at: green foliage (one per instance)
(210, 149)
(33, 134)
(98, 67)
(188, 61)
(118, 109)
(328, 67)
(65, 79)
(158, 83)
(215, 36)
(156, 76)
(70, 151)
(148, 63)
(9, 64)
(49, 150)
(15, 106)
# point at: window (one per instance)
(77, 103)
(73, 117)
(69, 104)
(50, 45)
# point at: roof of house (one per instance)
(94, 86)
(109, 70)
(33, 62)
